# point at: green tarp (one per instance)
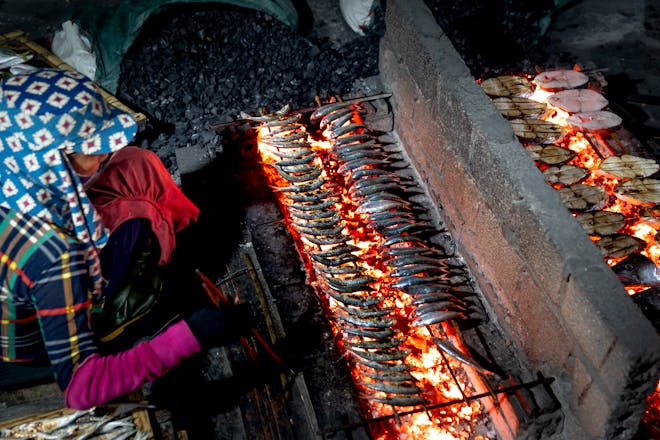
(113, 29)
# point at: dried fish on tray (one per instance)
(601, 222)
(93, 424)
(508, 85)
(517, 107)
(550, 154)
(536, 130)
(628, 166)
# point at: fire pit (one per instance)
(559, 303)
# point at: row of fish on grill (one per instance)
(359, 171)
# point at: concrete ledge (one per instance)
(552, 291)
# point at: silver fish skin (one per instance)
(459, 291)
(356, 146)
(400, 400)
(429, 298)
(269, 116)
(367, 322)
(375, 180)
(327, 240)
(454, 352)
(403, 241)
(357, 284)
(411, 258)
(365, 153)
(384, 366)
(322, 232)
(344, 269)
(326, 109)
(324, 222)
(300, 177)
(303, 160)
(337, 260)
(414, 269)
(337, 250)
(424, 309)
(338, 117)
(316, 184)
(360, 162)
(369, 190)
(312, 205)
(289, 120)
(312, 214)
(287, 153)
(344, 130)
(369, 333)
(413, 280)
(394, 354)
(345, 140)
(365, 312)
(392, 376)
(393, 387)
(356, 299)
(437, 317)
(378, 206)
(371, 345)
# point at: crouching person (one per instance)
(78, 211)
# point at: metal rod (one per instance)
(269, 321)
(507, 390)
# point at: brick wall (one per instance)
(546, 282)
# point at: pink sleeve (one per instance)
(99, 379)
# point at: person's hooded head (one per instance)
(46, 116)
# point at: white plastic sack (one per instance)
(74, 49)
(358, 14)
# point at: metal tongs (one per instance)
(219, 298)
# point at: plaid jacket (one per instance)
(44, 295)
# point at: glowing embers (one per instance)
(391, 294)
(609, 190)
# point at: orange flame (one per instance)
(587, 157)
(431, 368)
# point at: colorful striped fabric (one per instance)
(44, 295)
